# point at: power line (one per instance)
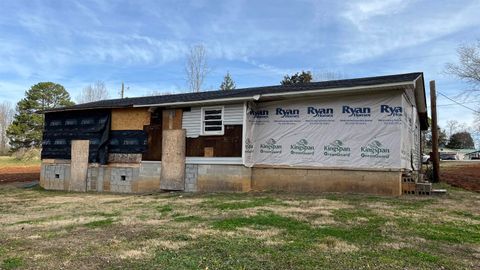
(456, 104)
(440, 93)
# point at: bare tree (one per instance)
(468, 66)
(196, 68)
(6, 117)
(158, 93)
(452, 127)
(97, 91)
(468, 69)
(319, 76)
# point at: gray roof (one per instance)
(238, 93)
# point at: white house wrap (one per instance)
(349, 132)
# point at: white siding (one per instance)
(192, 122)
(233, 114)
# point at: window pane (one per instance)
(210, 117)
(213, 128)
(213, 112)
(213, 123)
(212, 120)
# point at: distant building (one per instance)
(457, 154)
(473, 155)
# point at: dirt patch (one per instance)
(465, 175)
(19, 174)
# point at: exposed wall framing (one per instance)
(228, 145)
(154, 143)
(172, 119)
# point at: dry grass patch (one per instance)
(239, 231)
(331, 244)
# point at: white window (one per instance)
(212, 121)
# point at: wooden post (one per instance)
(435, 154)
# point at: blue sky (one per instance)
(144, 43)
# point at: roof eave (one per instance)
(328, 91)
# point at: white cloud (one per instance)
(386, 26)
(360, 11)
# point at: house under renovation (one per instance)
(357, 135)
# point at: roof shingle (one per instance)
(237, 93)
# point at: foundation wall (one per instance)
(149, 178)
(117, 178)
(145, 177)
(55, 176)
(191, 176)
(314, 180)
(223, 178)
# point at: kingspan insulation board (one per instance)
(347, 132)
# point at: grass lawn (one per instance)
(7, 161)
(51, 230)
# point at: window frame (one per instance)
(204, 132)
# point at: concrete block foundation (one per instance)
(145, 177)
(322, 180)
(223, 178)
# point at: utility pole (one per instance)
(123, 90)
(435, 154)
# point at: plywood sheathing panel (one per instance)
(173, 160)
(208, 151)
(130, 118)
(79, 165)
(172, 119)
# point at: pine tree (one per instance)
(26, 128)
(228, 83)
